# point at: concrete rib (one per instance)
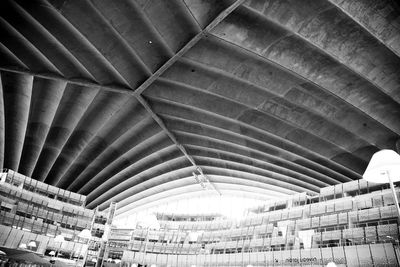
(2, 125)
(17, 91)
(191, 113)
(137, 133)
(46, 96)
(74, 103)
(100, 110)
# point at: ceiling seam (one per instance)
(253, 140)
(353, 18)
(228, 75)
(124, 42)
(41, 60)
(139, 90)
(67, 53)
(325, 52)
(81, 82)
(339, 169)
(282, 120)
(191, 13)
(153, 29)
(115, 71)
(301, 77)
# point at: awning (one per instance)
(23, 255)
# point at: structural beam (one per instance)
(81, 82)
(188, 46)
(166, 66)
(137, 93)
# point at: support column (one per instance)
(396, 201)
(103, 253)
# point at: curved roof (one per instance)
(124, 100)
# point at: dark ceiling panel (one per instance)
(37, 35)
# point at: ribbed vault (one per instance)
(124, 100)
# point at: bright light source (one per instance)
(384, 167)
(382, 164)
(59, 238)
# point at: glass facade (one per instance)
(351, 224)
(34, 211)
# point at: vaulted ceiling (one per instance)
(123, 100)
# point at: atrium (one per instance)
(138, 108)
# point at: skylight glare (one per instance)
(218, 206)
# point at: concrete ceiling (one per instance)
(123, 100)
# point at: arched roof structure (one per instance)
(125, 100)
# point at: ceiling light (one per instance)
(384, 167)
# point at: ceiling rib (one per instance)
(136, 57)
(139, 90)
(110, 88)
(323, 51)
(166, 66)
(187, 46)
(299, 76)
(376, 36)
(158, 120)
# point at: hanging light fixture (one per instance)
(384, 167)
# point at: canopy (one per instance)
(23, 255)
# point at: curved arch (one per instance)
(192, 191)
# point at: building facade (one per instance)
(351, 224)
(32, 212)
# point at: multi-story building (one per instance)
(32, 212)
(351, 224)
